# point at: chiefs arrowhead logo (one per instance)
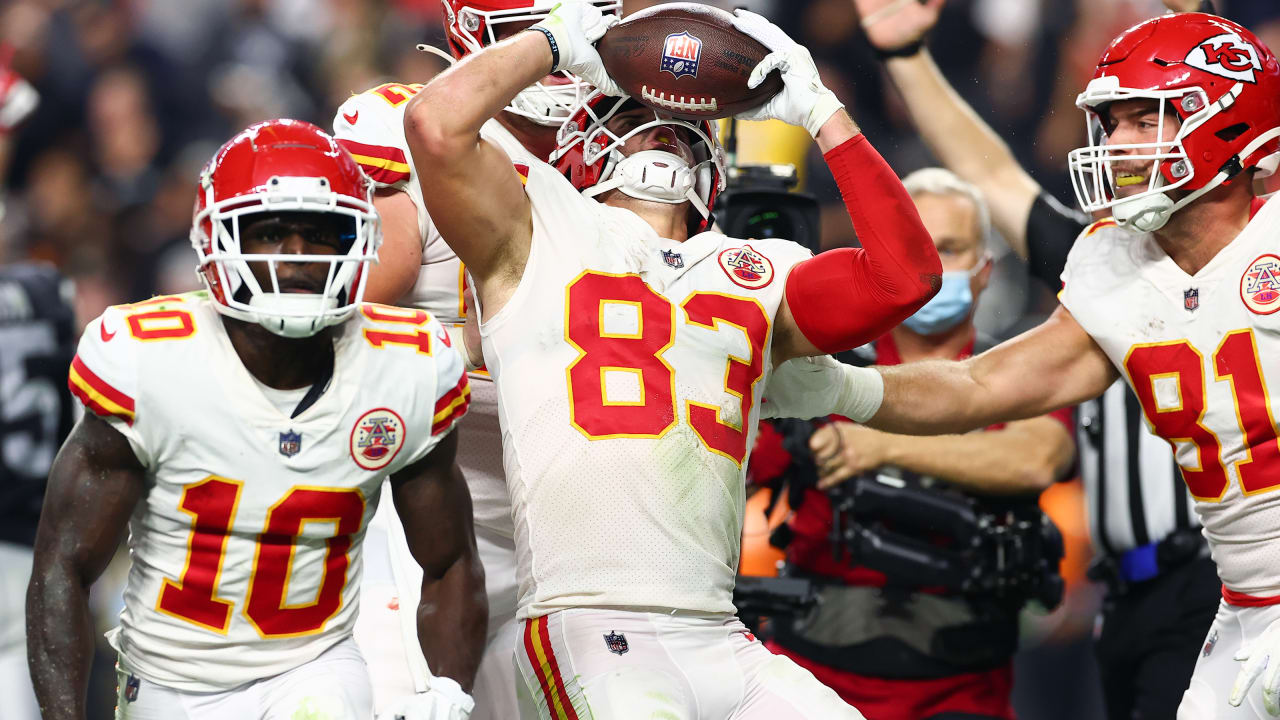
(351, 117)
(1227, 55)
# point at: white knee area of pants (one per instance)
(637, 693)
(787, 680)
(316, 703)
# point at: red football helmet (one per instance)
(590, 156)
(283, 166)
(1221, 82)
(471, 25)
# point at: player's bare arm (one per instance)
(95, 482)
(472, 190)
(434, 505)
(1051, 366)
(400, 255)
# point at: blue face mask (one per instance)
(948, 308)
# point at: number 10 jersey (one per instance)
(245, 549)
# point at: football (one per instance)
(686, 60)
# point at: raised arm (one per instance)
(470, 187)
(844, 298)
(93, 487)
(434, 505)
(472, 191)
(953, 131)
(1053, 365)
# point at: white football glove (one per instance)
(1261, 659)
(804, 100)
(574, 27)
(446, 700)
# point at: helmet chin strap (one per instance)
(281, 313)
(654, 175)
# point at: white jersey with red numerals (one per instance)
(371, 127)
(246, 547)
(1201, 354)
(629, 372)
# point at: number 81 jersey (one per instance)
(1201, 354)
(245, 548)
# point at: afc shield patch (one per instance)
(290, 443)
(746, 267)
(680, 54)
(673, 259)
(376, 438)
(1191, 299)
(617, 643)
(1260, 285)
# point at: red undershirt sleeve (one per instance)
(844, 298)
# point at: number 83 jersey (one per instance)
(245, 548)
(1201, 354)
(629, 370)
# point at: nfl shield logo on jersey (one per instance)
(673, 259)
(616, 642)
(1191, 299)
(376, 438)
(1260, 285)
(290, 443)
(680, 54)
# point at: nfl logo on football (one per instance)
(680, 55)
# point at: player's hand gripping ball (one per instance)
(687, 60)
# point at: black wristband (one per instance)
(910, 50)
(555, 49)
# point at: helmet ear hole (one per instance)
(1232, 132)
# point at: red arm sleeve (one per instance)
(845, 298)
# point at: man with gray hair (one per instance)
(897, 639)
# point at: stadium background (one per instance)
(136, 95)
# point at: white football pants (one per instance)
(334, 686)
(624, 664)
(1216, 670)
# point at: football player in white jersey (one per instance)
(242, 435)
(1177, 293)
(626, 423)
(418, 269)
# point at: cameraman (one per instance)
(892, 649)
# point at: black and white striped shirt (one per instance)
(1135, 492)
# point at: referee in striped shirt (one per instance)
(1162, 588)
